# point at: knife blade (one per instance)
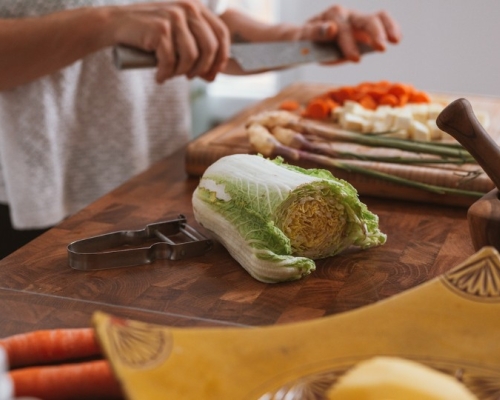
(271, 55)
(250, 56)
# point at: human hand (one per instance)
(187, 38)
(347, 27)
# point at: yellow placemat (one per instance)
(451, 323)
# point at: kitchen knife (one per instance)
(250, 56)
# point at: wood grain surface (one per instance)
(38, 289)
(231, 138)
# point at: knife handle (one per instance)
(125, 57)
(458, 120)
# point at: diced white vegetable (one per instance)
(402, 119)
(353, 122)
(419, 131)
(382, 118)
(483, 118)
(337, 113)
(420, 112)
(434, 110)
(413, 121)
(353, 107)
(434, 131)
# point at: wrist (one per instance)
(97, 24)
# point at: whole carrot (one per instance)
(47, 346)
(87, 380)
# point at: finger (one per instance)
(222, 35)
(319, 31)
(391, 27)
(186, 47)
(346, 40)
(206, 41)
(372, 26)
(165, 54)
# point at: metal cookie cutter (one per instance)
(130, 248)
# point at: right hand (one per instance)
(346, 27)
(187, 38)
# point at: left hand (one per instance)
(347, 27)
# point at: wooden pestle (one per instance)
(458, 120)
(483, 216)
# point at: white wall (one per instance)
(448, 46)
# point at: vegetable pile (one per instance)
(383, 130)
(275, 218)
(369, 95)
(391, 108)
(285, 134)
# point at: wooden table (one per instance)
(39, 290)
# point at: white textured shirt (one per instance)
(71, 137)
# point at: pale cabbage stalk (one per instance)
(275, 218)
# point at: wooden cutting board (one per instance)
(230, 138)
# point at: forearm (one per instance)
(33, 47)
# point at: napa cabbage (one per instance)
(275, 219)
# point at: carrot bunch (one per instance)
(369, 94)
(59, 364)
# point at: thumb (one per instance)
(319, 31)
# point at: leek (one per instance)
(275, 219)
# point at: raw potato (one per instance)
(394, 378)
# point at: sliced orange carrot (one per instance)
(368, 102)
(376, 93)
(319, 108)
(389, 99)
(346, 93)
(87, 380)
(399, 89)
(47, 346)
(289, 105)
(419, 97)
(403, 100)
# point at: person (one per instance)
(73, 127)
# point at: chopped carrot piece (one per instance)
(376, 93)
(346, 93)
(403, 100)
(365, 87)
(399, 89)
(419, 97)
(368, 102)
(319, 108)
(390, 100)
(289, 105)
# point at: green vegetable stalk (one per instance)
(275, 218)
